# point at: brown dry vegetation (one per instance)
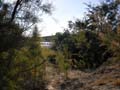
(104, 78)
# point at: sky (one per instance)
(64, 11)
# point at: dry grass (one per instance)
(103, 81)
(116, 82)
(100, 82)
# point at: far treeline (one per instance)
(85, 44)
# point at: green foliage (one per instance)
(21, 62)
(62, 62)
(101, 15)
(20, 59)
(85, 44)
(112, 40)
(91, 51)
(91, 42)
(82, 48)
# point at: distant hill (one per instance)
(48, 38)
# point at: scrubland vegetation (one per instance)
(85, 45)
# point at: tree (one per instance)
(101, 15)
(26, 12)
(37, 61)
(19, 53)
(82, 46)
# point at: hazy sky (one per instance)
(65, 10)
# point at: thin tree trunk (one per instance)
(15, 10)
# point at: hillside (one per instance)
(47, 38)
(104, 78)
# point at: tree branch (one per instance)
(15, 10)
(38, 65)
